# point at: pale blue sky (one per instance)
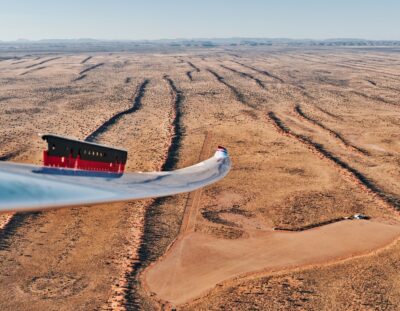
(156, 19)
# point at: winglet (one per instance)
(221, 152)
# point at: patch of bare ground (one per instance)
(364, 283)
(173, 279)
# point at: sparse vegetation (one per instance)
(313, 135)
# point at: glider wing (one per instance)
(29, 187)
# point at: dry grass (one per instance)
(343, 100)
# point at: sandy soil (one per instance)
(199, 262)
(313, 134)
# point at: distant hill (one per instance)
(94, 45)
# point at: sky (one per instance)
(172, 19)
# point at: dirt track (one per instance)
(194, 198)
(329, 149)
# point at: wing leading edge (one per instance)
(30, 187)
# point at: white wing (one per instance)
(30, 187)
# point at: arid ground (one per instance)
(314, 138)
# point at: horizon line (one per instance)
(193, 39)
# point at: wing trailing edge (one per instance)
(30, 187)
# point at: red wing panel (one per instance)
(78, 163)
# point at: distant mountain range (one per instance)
(95, 45)
(219, 41)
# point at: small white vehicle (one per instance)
(360, 216)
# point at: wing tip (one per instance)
(221, 152)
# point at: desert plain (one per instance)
(314, 138)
